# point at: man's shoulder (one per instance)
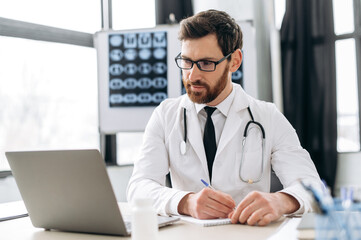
(244, 97)
(261, 104)
(263, 109)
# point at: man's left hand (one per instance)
(262, 208)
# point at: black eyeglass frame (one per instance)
(198, 65)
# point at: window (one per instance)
(347, 48)
(347, 39)
(48, 90)
(280, 8)
(48, 96)
(134, 14)
(347, 100)
(128, 146)
(343, 16)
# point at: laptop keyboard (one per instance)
(128, 226)
(128, 222)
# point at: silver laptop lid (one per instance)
(67, 190)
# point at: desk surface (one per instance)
(22, 229)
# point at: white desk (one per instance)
(22, 229)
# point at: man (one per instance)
(175, 142)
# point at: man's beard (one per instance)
(210, 94)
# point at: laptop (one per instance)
(70, 190)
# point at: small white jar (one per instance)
(144, 220)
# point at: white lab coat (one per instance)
(161, 154)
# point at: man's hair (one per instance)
(228, 32)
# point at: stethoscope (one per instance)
(183, 148)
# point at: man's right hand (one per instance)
(206, 204)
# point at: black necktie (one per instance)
(209, 140)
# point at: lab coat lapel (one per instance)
(233, 121)
(194, 133)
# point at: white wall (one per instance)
(240, 10)
(119, 177)
(349, 170)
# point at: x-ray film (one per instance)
(137, 69)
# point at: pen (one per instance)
(207, 185)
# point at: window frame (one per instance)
(357, 36)
(20, 29)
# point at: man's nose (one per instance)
(194, 73)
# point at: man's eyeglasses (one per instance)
(203, 65)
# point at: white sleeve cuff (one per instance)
(300, 210)
(172, 206)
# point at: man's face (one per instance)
(205, 87)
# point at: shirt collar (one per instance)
(223, 106)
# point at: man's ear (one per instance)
(236, 61)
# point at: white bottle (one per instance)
(144, 220)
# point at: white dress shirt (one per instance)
(218, 117)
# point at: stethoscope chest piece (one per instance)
(183, 147)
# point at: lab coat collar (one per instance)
(233, 121)
(241, 99)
